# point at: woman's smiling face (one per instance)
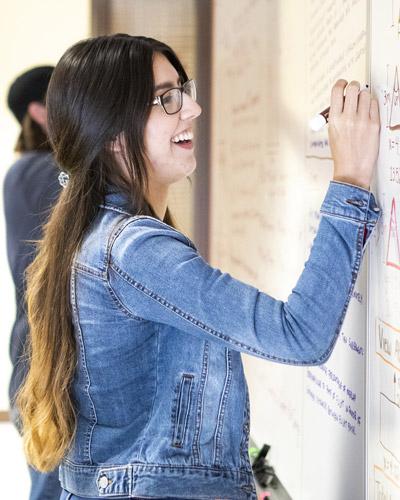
(168, 162)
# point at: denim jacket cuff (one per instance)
(350, 202)
(357, 204)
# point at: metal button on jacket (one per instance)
(103, 482)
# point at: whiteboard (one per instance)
(257, 157)
(274, 64)
(383, 465)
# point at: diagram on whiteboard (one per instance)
(387, 466)
(391, 101)
(384, 357)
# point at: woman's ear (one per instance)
(117, 147)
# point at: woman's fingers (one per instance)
(351, 101)
(374, 111)
(354, 101)
(337, 98)
(364, 104)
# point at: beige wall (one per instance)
(31, 33)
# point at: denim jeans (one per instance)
(44, 486)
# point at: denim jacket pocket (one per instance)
(181, 409)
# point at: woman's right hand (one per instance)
(353, 131)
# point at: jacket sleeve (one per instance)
(157, 274)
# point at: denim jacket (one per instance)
(162, 401)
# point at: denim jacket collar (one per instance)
(117, 199)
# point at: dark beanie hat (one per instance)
(28, 87)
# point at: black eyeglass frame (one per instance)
(158, 100)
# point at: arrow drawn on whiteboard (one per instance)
(393, 248)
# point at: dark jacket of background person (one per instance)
(31, 188)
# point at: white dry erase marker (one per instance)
(321, 118)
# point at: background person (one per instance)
(30, 188)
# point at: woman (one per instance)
(136, 384)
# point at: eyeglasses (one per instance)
(171, 101)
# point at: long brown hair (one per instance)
(100, 88)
